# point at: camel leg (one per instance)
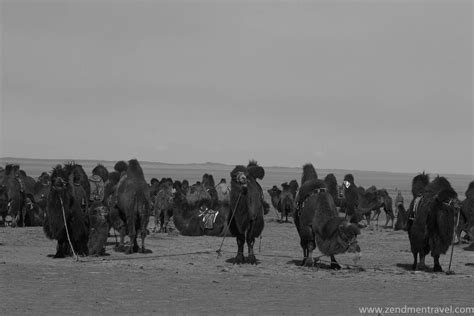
(305, 251)
(240, 249)
(437, 266)
(123, 232)
(143, 236)
(166, 220)
(422, 265)
(23, 216)
(132, 234)
(157, 220)
(310, 246)
(367, 218)
(251, 258)
(143, 233)
(334, 264)
(61, 250)
(415, 261)
(162, 221)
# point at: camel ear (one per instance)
(256, 171)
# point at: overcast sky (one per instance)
(370, 85)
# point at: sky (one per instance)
(365, 85)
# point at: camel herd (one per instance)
(79, 211)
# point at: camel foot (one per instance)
(335, 266)
(239, 259)
(308, 262)
(119, 248)
(251, 259)
(129, 250)
(421, 267)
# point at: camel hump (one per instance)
(309, 173)
(134, 169)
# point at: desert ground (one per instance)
(184, 275)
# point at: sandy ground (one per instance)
(183, 275)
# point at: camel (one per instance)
(223, 191)
(331, 184)
(318, 223)
(33, 215)
(121, 167)
(247, 204)
(98, 220)
(115, 219)
(402, 215)
(41, 190)
(293, 188)
(466, 223)
(358, 202)
(163, 207)
(185, 187)
(282, 200)
(154, 187)
(3, 204)
(386, 202)
(367, 201)
(101, 171)
(64, 203)
(15, 188)
(196, 218)
(350, 198)
(133, 203)
(433, 218)
(209, 184)
(418, 185)
(98, 211)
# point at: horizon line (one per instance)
(222, 164)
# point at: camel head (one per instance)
(274, 192)
(347, 236)
(348, 181)
(239, 178)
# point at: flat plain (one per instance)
(184, 275)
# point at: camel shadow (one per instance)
(408, 267)
(232, 260)
(316, 264)
(405, 266)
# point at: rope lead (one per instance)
(219, 251)
(67, 231)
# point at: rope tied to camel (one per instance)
(67, 230)
(416, 204)
(219, 251)
(344, 241)
(452, 203)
